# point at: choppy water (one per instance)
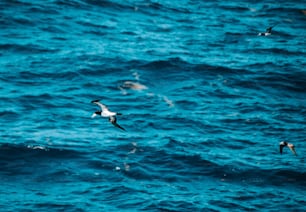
(209, 103)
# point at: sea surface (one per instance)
(205, 102)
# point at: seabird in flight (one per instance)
(104, 112)
(289, 145)
(268, 31)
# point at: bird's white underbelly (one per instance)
(108, 114)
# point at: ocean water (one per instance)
(205, 103)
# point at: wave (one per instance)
(26, 48)
(119, 169)
(10, 152)
(287, 10)
(188, 168)
(73, 4)
(17, 3)
(8, 114)
(290, 80)
(176, 64)
(40, 78)
(235, 8)
(56, 206)
(110, 5)
(41, 9)
(276, 51)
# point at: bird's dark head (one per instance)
(93, 101)
(97, 113)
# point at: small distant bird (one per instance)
(268, 31)
(104, 112)
(289, 145)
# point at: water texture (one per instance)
(205, 103)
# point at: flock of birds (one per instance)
(106, 113)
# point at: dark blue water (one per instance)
(205, 103)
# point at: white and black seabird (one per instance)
(289, 145)
(267, 32)
(104, 112)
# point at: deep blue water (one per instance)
(209, 103)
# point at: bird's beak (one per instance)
(93, 115)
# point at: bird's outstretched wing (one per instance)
(281, 146)
(113, 120)
(269, 29)
(102, 106)
(291, 147)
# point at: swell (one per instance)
(175, 67)
(64, 164)
(170, 165)
(38, 162)
(16, 3)
(177, 64)
(10, 152)
(276, 51)
(106, 4)
(36, 78)
(26, 48)
(291, 80)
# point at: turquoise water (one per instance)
(205, 103)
